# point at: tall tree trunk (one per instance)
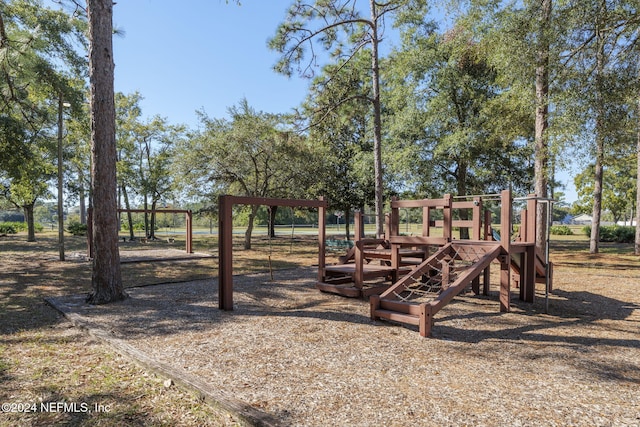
(127, 206)
(347, 218)
(594, 241)
(106, 279)
(146, 216)
(272, 220)
(541, 166)
(31, 227)
(377, 123)
(249, 231)
(82, 197)
(152, 224)
(637, 243)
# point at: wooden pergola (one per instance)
(225, 237)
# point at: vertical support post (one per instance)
(225, 253)
(532, 209)
(387, 226)
(374, 304)
(426, 228)
(524, 226)
(529, 280)
(359, 256)
(476, 235)
(189, 216)
(322, 238)
(447, 217)
(487, 226)
(426, 221)
(394, 229)
(505, 242)
(477, 218)
(426, 319)
(528, 274)
(486, 282)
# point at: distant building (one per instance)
(11, 216)
(582, 219)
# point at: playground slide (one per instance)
(516, 263)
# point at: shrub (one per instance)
(7, 228)
(561, 230)
(614, 233)
(77, 229)
(18, 226)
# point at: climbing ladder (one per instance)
(419, 295)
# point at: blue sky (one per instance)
(206, 54)
(201, 54)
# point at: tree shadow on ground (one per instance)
(578, 310)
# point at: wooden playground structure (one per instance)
(225, 236)
(408, 279)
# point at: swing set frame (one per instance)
(225, 237)
(188, 223)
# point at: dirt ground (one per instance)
(299, 357)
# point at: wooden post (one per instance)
(447, 230)
(225, 238)
(524, 226)
(387, 226)
(486, 282)
(476, 235)
(426, 319)
(529, 279)
(322, 238)
(394, 226)
(528, 274)
(394, 230)
(426, 221)
(225, 253)
(359, 256)
(505, 242)
(374, 304)
(532, 209)
(477, 218)
(189, 216)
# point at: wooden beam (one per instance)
(225, 253)
(268, 201)
(505, 242)
(189, 237)
(322, 236)
(422, 203)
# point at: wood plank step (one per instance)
(373, 290)
(344, 290)
(397, 317)
(400, 307)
